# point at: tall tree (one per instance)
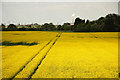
(77, 21)
(12, 27)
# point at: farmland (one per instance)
(60, 55)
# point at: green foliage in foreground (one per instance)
(8, 43)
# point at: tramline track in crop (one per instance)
(32, 65)
(45, 55)
(30, 60)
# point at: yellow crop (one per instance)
(66, 55)
(15, 57)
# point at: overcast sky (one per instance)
(55, 12)
(60, 0)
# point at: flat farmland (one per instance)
(60, 55)
(14, 58)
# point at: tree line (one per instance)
(110, 22)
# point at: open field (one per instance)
(60, 55)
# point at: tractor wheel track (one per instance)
(58, 35)
(30, 60)
(43, 58)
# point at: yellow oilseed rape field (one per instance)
(60, 55)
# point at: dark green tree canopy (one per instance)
(110, 22)
(77, 21)
(12, 27)
(2, 25)
(48, 27)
